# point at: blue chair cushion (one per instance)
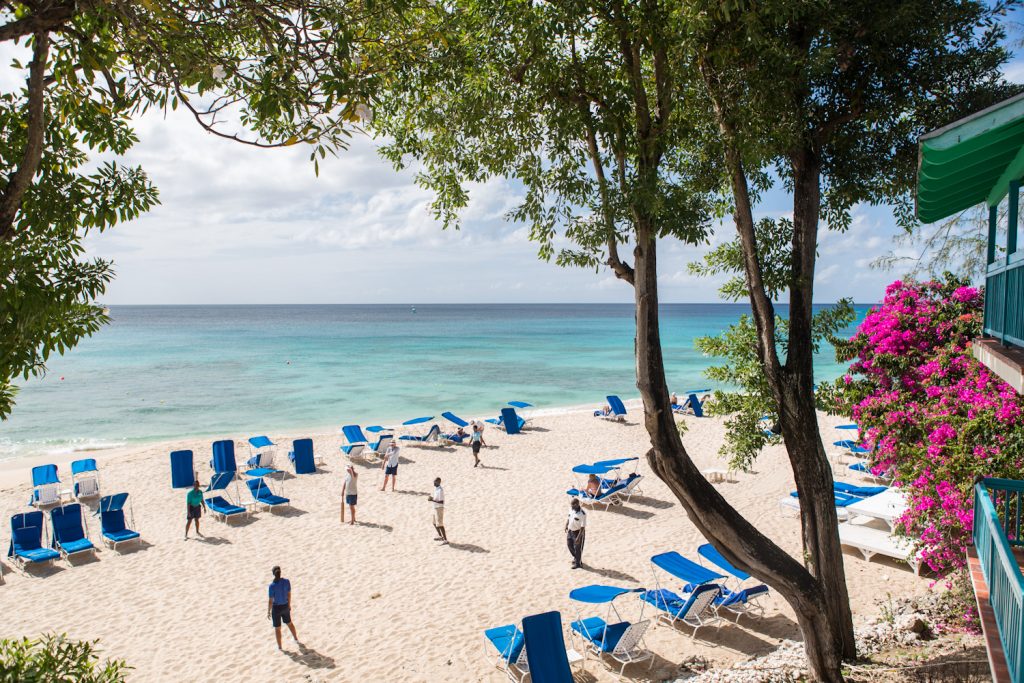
(119, 536)
(26, 538)
(77, 546)
(38, 554)
(612, 634)
(508, 640)
(223, 507)
(591, 628)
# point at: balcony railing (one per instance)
(998, 512)
(1004, 301)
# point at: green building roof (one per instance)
(970, 161)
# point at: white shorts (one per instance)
(438, 516)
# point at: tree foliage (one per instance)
(54, 658)
(269, 74)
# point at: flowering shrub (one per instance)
(932, 415)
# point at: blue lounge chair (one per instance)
(112, 522)
(357, 441)
(607, 497)
(85, 476)
(378, 447)
(618, 410)
(302, 456)
(509, 421)
(693, 575)
(433, 435)
(262, 494)
(69, 533)
(183, 475)
(261, 450)
(842, 500)
(544, 643)
(742, 600)
(858, 491)
(27, 540)
(695, 609)
(611, 635)
(45, 486)
(221, 504)
(223, 456)
(508, 641)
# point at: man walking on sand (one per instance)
(575, 532)
(438, 500)
(279, 606)
(349, 494)
(390, 466)
(194, 506)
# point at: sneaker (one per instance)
(444, 542)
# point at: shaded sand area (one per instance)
(382, 601)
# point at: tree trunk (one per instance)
(738, 540)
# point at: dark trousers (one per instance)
(574, 540)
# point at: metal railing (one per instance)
(998, 508)
(1004, 302)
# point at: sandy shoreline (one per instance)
(381, 601)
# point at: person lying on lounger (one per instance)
(593, 486)
(459, 435)
(604, 412)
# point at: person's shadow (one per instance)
(307, 656)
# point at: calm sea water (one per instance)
(165, 372)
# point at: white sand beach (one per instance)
(382, 601)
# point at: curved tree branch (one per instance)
(20, 180)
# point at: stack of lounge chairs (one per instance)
(845, 495)
(359, 446)
(508, 420)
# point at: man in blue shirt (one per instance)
(279, 605)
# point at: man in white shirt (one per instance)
(575, 532)
(390, 466)
(438, 500)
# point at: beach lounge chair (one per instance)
(70, 536)
(843, 500)
(357, 441)
(696, 609)
(112, 522)
(509, 421)
(742, 599)
(739, 601)
(508, 641)
(261, 452)
(433, 435)
(223, 456)
(85, 478)
(871, 541)
(865, 470)
(618, 410)
(694, 405)
(220, 504)
(45, 486)
(607, 497)
(27, 540)
(378, 447)
(887, 506)
(858, 491)
(263, 495)
(183, 474)
(547, 657)
(302, 456)
(621, 640)
(458, 422)
(632, 486)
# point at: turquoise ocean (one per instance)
(158, 373)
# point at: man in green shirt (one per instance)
(194, 506)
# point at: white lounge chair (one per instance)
(886, 506)
(46, 495)
(871, 541)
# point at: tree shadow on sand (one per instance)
(307, 656)
(610, 573)
(468, 547)
(629, 512)
(655, 503)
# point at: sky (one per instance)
(239, 225)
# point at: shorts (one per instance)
(281, 613)
(350, 500)
(195, 511)
(438, 516)
(391, 470)
(476, 447)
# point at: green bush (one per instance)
(55, 658)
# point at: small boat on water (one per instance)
(413, 309)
